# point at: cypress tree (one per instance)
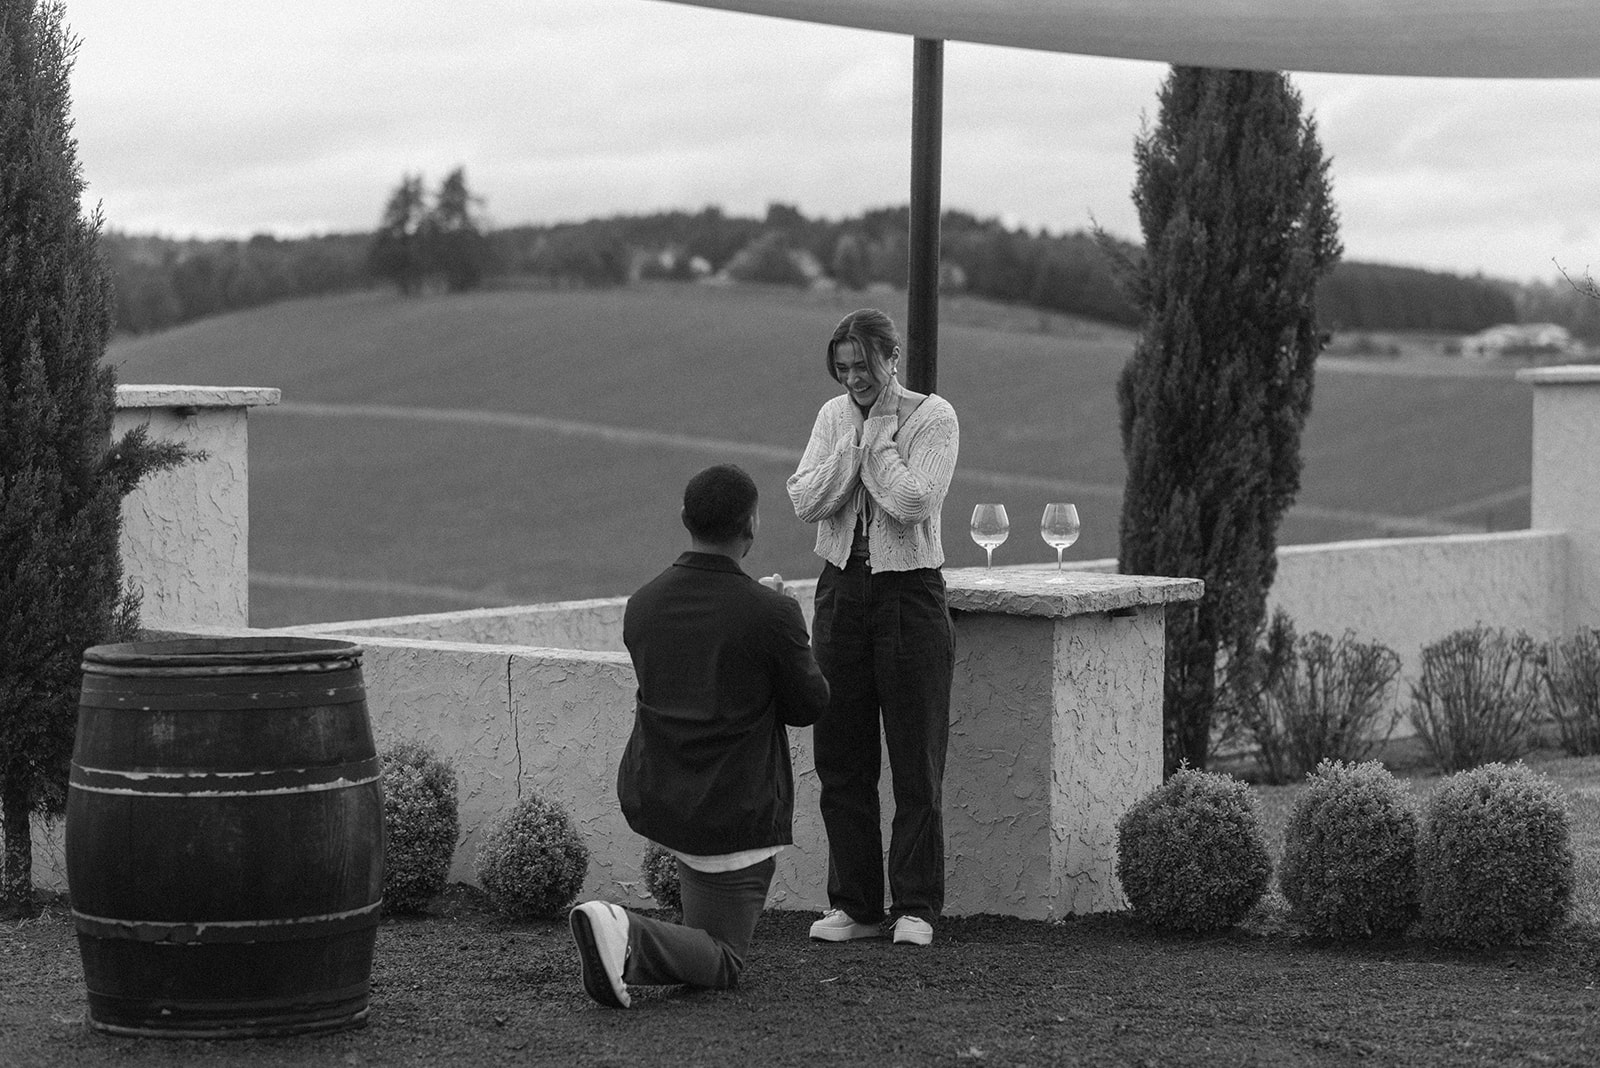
(61, 479)
(1238, 222)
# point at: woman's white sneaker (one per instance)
(837, 926)
(910, 931)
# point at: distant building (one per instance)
(672, 262)
(1520, 339)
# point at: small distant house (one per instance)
(1519, 339)
(672, 262)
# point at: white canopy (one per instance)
(1434, 38)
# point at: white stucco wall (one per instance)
(1109, 681)
(512, 719)
(1055, 731)
(1041, 762)
(1411, 592)
(1566, 476)
(999, 783)
(1044, 762)
(594, 625)
(1404, 592)
(185, 531)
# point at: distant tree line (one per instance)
(980, 256)
(1367, 296)
(161, 282)
(444, 246)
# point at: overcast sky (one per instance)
(196, 117)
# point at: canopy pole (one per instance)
(922, 280)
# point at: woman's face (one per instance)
(862, 376)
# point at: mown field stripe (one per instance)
(617, 435)
(1515, 496)
(780, 454)
(284, 581)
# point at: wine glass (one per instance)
(990, 525)
(1059, 529)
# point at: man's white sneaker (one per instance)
(601, 931)
(837, 926)
(910, 931)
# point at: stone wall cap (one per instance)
(465, 615)
(1575, 374)
(164, 396)
(1029, 592)
(542, 653)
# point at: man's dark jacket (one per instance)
(723, 663)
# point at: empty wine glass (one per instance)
(1059, 529)
(990, 525)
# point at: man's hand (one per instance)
(775, 581)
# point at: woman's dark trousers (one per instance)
(885, 642)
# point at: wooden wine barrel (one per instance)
(224, 837)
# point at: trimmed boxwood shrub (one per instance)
(1494, 859)
(532, 861)
(1349, 868)
(660, 870)
(1321, 698)
(1191, 853)
(420, 826)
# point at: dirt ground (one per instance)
(463, 986)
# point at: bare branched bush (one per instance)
(1321, 699)
(1477, 695)
(1571, 677)
(1586, 286)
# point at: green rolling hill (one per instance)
(528, 445)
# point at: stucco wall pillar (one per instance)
(1566, 477)
(1055, 733)
(186, 531)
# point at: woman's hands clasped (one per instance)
(889, 402)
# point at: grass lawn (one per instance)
(463, 986)
(356, 516)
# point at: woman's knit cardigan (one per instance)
(906, 471)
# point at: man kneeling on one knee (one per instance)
(724, 665)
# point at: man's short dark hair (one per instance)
(717, 502)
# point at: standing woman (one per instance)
(874, 478)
